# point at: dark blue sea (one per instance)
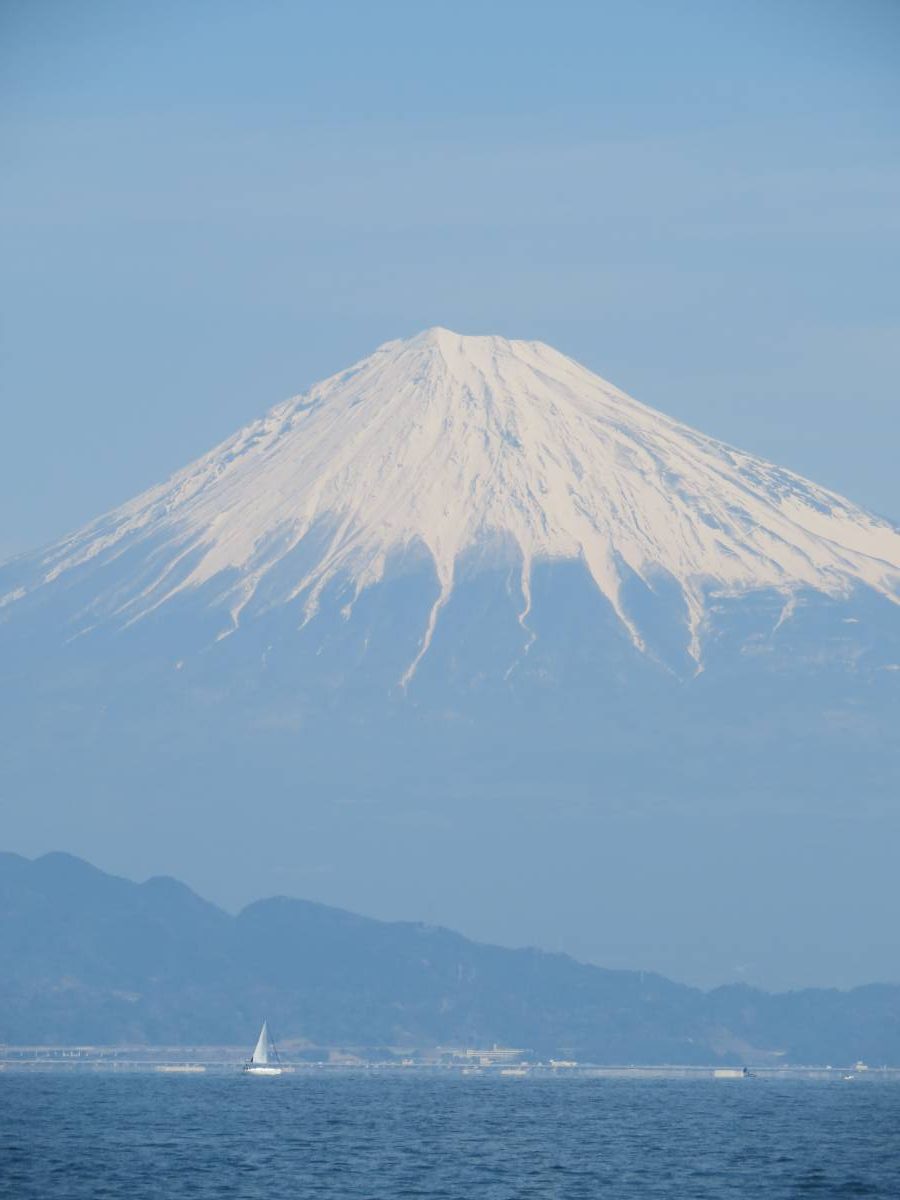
(374, 1136)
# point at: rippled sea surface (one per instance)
(373, 1136)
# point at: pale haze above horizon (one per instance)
(207, 209)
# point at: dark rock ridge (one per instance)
(87, 957)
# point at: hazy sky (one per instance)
(207, 206)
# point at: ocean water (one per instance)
(373, 1136)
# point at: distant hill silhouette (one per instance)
(87, 957)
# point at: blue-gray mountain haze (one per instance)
(88, 958)
(466, 635)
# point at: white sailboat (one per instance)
(259, 1061)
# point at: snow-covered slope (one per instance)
(442, 441)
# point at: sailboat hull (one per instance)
(250, 1070)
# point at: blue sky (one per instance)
(207, 206)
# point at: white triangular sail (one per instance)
(261, 1053)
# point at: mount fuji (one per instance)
(465, 621)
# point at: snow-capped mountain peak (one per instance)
(445, 442)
